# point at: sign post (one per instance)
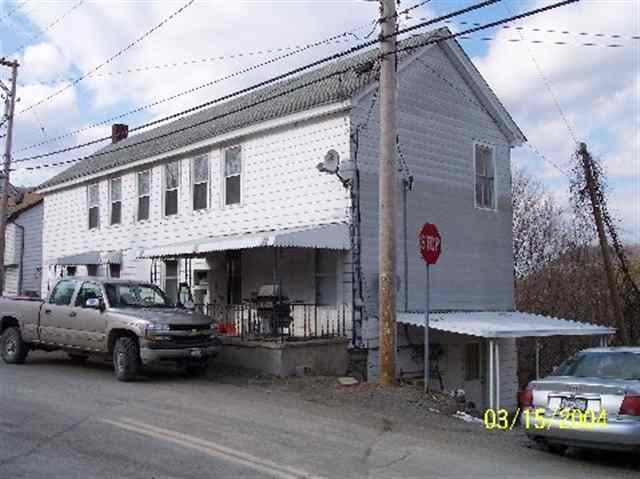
(430, 249)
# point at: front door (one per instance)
(57, 322)
(474, 373)
(90, 322)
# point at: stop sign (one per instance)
(430, 243)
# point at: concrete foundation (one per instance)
(315, 356)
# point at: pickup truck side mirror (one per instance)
(95, 303)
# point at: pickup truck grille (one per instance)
(181, 342)
(188, 327)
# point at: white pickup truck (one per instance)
(131, 322)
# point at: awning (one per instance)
(90, 257)
(329, 236)
(499, 324)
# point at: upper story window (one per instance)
(93, 200)
(171, 185)
(232, 170)
(200, 179)
(115, 193)
(485, 176)
(144, 194)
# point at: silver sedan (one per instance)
(591, 401)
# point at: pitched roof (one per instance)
(30, 199)
(337, 81)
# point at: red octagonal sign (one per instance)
(430, 243)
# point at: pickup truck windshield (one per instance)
(123, 295)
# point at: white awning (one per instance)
(330, 236)
(499, 324)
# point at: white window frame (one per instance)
(223, 175)
(193, 183)
(165, 190)
(138, 195)
(111, 202)
(90, 206)
(494, 206)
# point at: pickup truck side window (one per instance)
(88, 291)
(62, 293)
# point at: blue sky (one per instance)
(597, 87)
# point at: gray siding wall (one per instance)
(437, 129)
(31, 220)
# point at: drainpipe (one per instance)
(407, 185)
(21, 265)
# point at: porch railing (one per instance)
(309, 321)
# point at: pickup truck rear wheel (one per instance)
(126, 358)
(12, 348)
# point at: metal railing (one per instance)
(307, 321)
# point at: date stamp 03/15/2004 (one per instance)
(540, 418)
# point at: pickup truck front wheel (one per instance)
(126, 358)
(12, 348)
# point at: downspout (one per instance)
(21, 264)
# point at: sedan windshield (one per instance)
(609, 365)
(123, 295)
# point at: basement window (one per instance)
(485, 176)
(93, 200)
(171, 185)
(232, 169)
(144, 194)
(115, 192)
(200, 179)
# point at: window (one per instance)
(88, 291)
(326, 279)
(200, 178)
(171, 280)
(93, 200)
(471, 361)
(485, 177)
(62, 293)
(171, 184)
(71, 270)
(92, 270)
(115, 193)
(144, 194)
(234, 278)
(232, 167)
(114, 270)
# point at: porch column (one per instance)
(497, 361)
(491, 374)
(537, 358)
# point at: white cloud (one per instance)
(42, 62)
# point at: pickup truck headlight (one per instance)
(155, 329)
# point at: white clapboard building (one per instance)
(231, 201)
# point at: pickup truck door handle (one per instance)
(73, 314)
(47, 311)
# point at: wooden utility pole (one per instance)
(587, 165)
(9, 106)
(387, 184)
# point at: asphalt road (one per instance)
(63, 420)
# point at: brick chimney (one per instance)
(119, 132)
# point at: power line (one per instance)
(246, 90)
(111, 58)
(279, 94)
(177, 95)
(49, 26)
(547, 83)
(545, 42)
(14, 9)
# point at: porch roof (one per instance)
(504, 324)
(90, 257)
(328, 236)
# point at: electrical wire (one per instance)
(290, 73)
(111, 58)
(48, 27)
(286, 92)
(14, 9)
